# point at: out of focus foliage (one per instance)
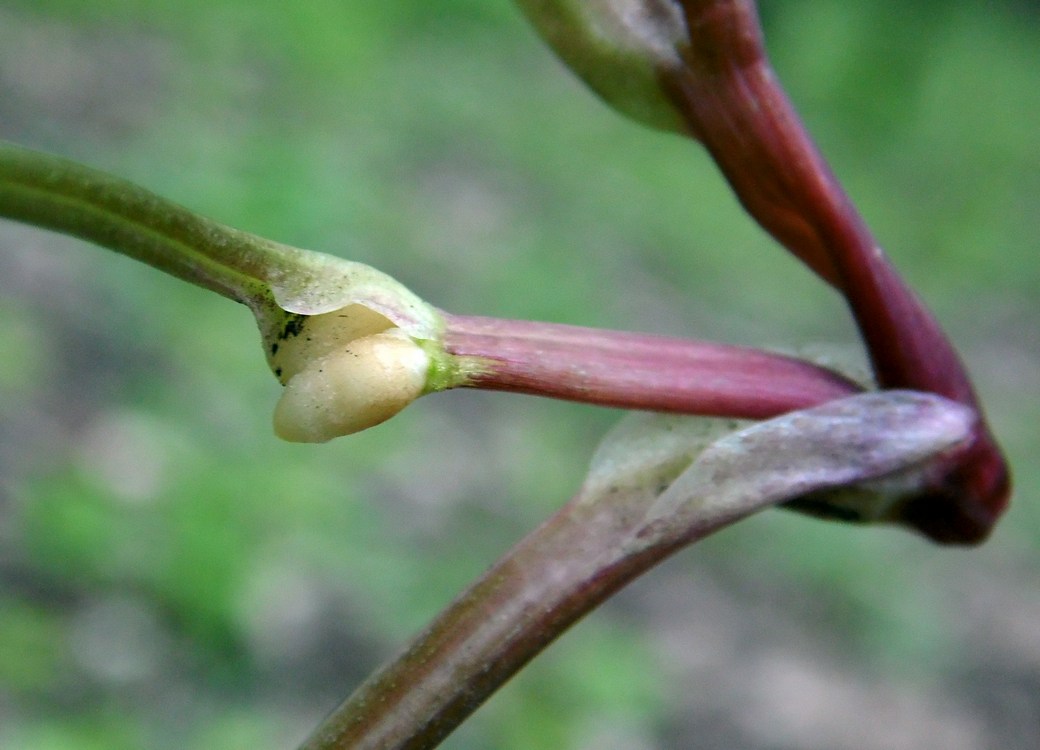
(173, 576)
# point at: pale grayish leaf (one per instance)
(863, 438)
(691, 477)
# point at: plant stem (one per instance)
(622, 523)
(637, 371)
(523, 603)
(61, 195)
(276, 281)
(734, 105)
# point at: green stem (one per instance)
(63, 196)
(276, 281)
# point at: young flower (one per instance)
(352, 347)
(343, 372)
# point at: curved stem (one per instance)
(733, 103)
(735, 106)
(60, 195)
(625, 520)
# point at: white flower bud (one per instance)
(352, 387)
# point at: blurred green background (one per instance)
(171, 575)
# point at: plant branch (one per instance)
(276, 281)
(735, 106)
(610, 368)
(653, 489)
(733, 103)
(636, 371)
(57, 194)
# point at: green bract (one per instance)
(619, 48)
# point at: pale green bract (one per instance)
(307, 282)
(618, 47)
(650, 449)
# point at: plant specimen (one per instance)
(352, 347)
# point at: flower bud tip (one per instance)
(353, 388)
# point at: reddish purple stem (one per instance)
(639, 371)
(735, 106)
(737, 109)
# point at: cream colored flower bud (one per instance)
(358, 385)
(303, 339)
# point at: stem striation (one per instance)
(635, 370)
